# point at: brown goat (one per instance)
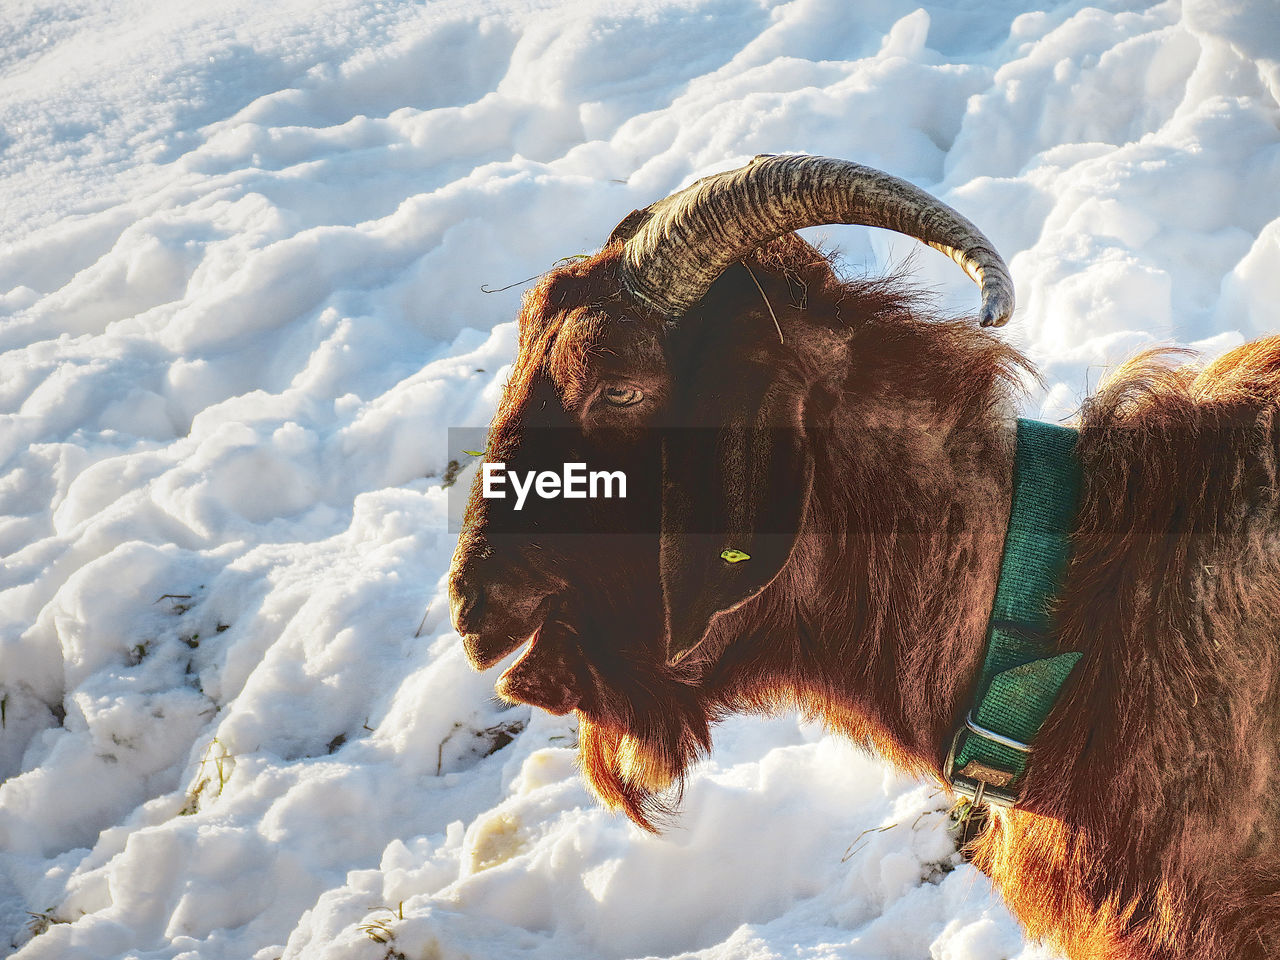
(877, 443)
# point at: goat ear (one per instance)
(733, 499)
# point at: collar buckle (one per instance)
(979, 782)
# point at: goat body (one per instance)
(1149, 826)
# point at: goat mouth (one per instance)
(552, 689)
(544, 676)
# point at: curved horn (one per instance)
(689, 238)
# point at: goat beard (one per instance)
(640, 768)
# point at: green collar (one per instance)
(1023, 671)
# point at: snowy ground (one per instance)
(240, 305)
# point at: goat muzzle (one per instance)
(495, 613)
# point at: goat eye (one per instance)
(622, 396)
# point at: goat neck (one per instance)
(878, 621)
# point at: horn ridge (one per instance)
(689, 238)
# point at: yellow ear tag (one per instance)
(474, 453)
(734, 556)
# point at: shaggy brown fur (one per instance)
(1150, 824)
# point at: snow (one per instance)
(240, 308)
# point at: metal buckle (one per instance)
(980, 791)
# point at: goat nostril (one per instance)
(468, 602)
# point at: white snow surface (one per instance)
(240, 305)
